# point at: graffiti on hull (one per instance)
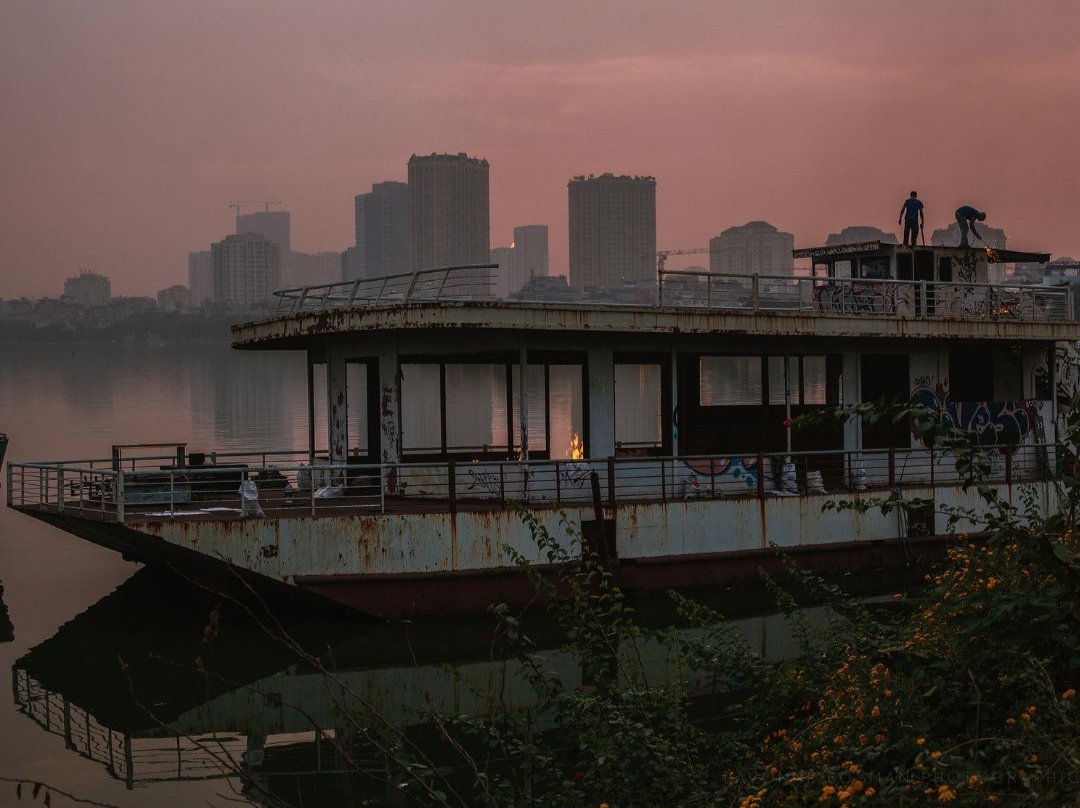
(989, 423)
(742, 470)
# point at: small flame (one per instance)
(991, 256)
(577, 448)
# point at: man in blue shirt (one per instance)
(966, 216)
(911, 213)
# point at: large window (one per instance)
(638, 423)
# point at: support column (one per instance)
(311, 407)
(337, 406)
(523, 400)
(850, 394)
(389, 405)
(601, 414)
(674, 414)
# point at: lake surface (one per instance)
(73, 717)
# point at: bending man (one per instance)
(966, 216)
(911, 213)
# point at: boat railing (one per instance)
(281, 486)
(880, 297)
(463, 282)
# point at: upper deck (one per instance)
(860, 290)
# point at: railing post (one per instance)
(1068, 314)
(412, 285)
(663, 481)
(558, 487)
(756, 293)
(172, 493)
(502, 484)
(660, 288)
(451, 486)
(446, 274)
(10, 476)
(761, 475)
(933, 483)
(1008, 465)
(118, 492)
(924, 306)
(892, 467)
(850, 476)
(712, 476)
(989, 300)
(60, 489)
(611, 481)
(352, 294)
(708, 291)
(300, 301)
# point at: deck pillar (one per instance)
(389, 406)
(336, 407)
(850, 393)
(601, 404)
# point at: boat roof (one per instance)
(856, 249)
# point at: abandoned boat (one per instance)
(412, 506)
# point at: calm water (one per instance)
(77, 608)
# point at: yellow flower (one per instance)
(935, 754)
(1010, 721)
(945, 794)
(1069, 694)
(876, 712)
(603, 805)
(870, 791)
(920, 741)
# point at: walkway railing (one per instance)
(863, 297)
(466, 282)
(690, 289)
(273, 484)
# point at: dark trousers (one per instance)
(911, 228)
(963, 224)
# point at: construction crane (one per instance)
(245, 202)
(662, 255)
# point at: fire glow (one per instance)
(577, 448)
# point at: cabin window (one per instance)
(421, 411)
(322, 428)
(638, 423)
(729, 381)
(980, 373)
(475, 393)
(555, 411)
(357, 410)
(885, 376)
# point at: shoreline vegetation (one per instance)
(152, 328)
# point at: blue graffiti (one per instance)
(989, 423)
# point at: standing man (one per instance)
(911, 213)
(966, 216)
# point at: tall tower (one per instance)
(247, 269)
(273, 225)
(612, 231)
(450, 219)
(200, 277)
(531, 246)
(384, 230)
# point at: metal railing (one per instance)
(239, 490)
(466, 282)
(862, 296)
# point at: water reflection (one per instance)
(160, 682)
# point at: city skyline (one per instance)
(99, 154)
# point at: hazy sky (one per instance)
(127, 127)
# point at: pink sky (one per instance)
(127, 127)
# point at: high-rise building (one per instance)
(175, 298)
(352, 263)
(273, 225)
(384, 230)
(247, 269)
(612, 231)
(531, 249)
(859, 234)
(306, 269)
(88, 288)
(506, 260)
(755, 248)
(450, 219)
(200, 273)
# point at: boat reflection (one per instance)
(159, 681)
